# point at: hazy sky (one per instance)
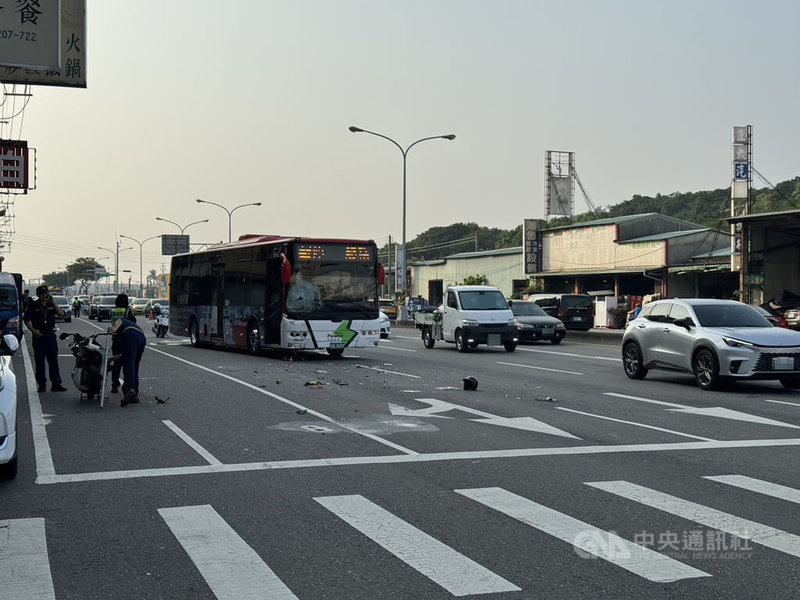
(247, 101)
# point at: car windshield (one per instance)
(60, 300)
(729, 315)
(527, 309)
(483, 300)
(568, 301)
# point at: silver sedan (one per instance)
(715, 340)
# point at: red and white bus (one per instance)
(268, 291)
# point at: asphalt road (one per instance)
(377, 476)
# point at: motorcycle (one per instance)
(161, 323)
(90, 358)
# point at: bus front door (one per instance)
(274, 302)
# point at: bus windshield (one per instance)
(323, 289)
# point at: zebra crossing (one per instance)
(233, 570)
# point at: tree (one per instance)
(79, 273)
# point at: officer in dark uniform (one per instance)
(40, 318)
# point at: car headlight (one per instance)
(560, 327)
(737, 343)
(524, 325)
(512, 322)
(469, 322)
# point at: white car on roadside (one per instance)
(386, 325)
(8, 409)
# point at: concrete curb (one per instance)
(596, 335)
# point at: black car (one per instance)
(576, 311)
(533, 324)
(104, 307)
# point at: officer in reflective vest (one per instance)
(120, 311)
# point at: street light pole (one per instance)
(185, 227)
(116, 262)
(400, 269)
(127, 237)
(230, 212)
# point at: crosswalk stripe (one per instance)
(710, 517)
(588, 539)
(24, 565)
(231, 568)
(757, 485)
(446, 567)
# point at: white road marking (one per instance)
(696, 437)
(795, 404)
(274, 396)
(539, 368)
(710, 517)
(612, 359)
(440, 406)
(41, 445)
(711, 411)
(381, 370)
(231, 568)
(585, 537)
(210, 458)
(347, 461)
(399, 349)
(757, 485)
(443, 565)
(24, 564)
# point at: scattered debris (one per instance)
(447, 387)
(160, 401)
(314, 383)
(302, 411)
(470, 384)
(340, 382)
(546, 399)
(323, 371)
(277, 381)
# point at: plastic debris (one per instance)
(546, 399)
(160, 401)
(302, 411)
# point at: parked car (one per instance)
(148, 308)
(576, 311)
(715, 340)
(93, 306)
(85, 300)
(66, 306)
(138, 304)
(8, 408)
(776, 320)
(534, 324)
(792, 317)
(386, 325)
(10, 309)
(388, 306)
(105, 306)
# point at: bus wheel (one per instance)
(253, 339)
(194, 333)
(335, 351)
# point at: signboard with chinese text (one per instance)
(30, 33)
(174, 244)
(532, 246)
(70, 71)
(13, 164)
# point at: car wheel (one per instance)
(632, 361)
(510, 346)
(9, 470)
(706, 369)
(427, 337)
(556, 340)
(336, 351)
(790, 383)
(461, 343)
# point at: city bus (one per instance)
(274, 292)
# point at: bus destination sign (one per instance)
(345, 252)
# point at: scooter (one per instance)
(92, 363)
(161, 323)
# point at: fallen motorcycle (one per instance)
(90, 360)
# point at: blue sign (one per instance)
(741, 171)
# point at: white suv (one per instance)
(8, 409)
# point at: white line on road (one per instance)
(381, 370)
(795, 404)
(538, 368)
(710, 517)
(24, 564)
(348, 461)
(398, 349)
(210, 458)
(446, 567)
(696, 437)
(231, 568)
(586, 538)
(757, 485)
(41, 445)
(572, 354)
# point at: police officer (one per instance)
(40, 319)
(120, 311)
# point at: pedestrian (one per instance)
(131, 345)
(40, 319)
(121, 310)
(26, 297)
(637, 310)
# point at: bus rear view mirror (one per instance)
(286, 271)
(381, 274)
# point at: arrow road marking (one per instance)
(440, 406)
(712, 411)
